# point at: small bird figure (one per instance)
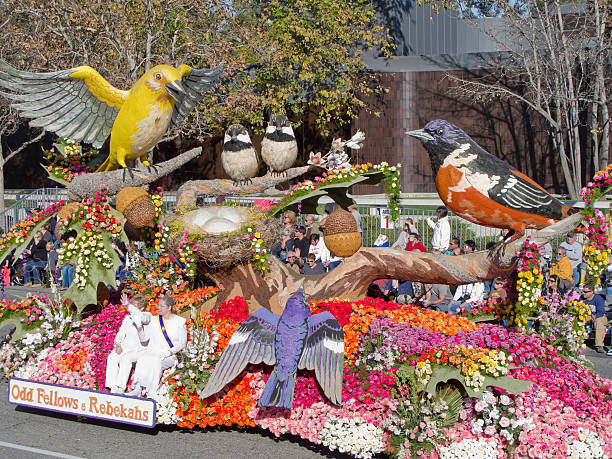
(482, 188)
(80, 104)
(239, 157)
(279, 147)
(293, 340)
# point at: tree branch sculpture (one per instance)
(190, 191)
(86, 185)
(350, 280)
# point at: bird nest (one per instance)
(221, 251)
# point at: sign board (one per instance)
(82, 402)
(386, 221)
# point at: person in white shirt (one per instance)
(128, 344)
(322, 253)
(441, 231)
(167, 335)
(466, 295)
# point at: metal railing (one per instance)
(37, 199)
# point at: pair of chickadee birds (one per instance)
(278, 150)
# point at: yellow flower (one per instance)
(257, 235)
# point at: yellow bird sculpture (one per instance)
(80, 104)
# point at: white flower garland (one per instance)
(469, 448)
(352, 436)
(588, 446)
(165, 410)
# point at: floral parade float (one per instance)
(406, 381)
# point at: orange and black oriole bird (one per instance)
(482, 188)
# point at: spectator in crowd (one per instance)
(36, 252)
(353, 209)
(441, 231)
(469, 246)
(598, 314)
(52, 263)
(573, 250)
(381, 241)
(394, 288)
(552, 285)
(438, 296)
(301, 245)
(466, 295)
(562, 268)
(411, 226)
(293, 262)
(312, 266)
(311, 226)
(46, 232)
(453, 247)
(287, 235)
(322, 253)
(415, 244)
(546, 260)
(403, 237)
(499, 292)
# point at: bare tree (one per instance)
(558, 56)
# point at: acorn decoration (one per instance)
(136, 205)
(341, 236)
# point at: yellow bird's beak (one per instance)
(175, 89)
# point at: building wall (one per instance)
(502, 128)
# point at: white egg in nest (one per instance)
(218, 225)
(234, 214)
(201, 216)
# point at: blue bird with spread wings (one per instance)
(294, 340)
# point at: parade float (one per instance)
(367, 377)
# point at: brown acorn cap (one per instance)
(340, 221)
(127, 196)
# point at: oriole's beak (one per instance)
(175, 89)
(421, 135)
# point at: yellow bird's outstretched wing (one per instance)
(195, 82)
(77, 103)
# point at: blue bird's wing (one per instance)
(253, 342)
(195, 82)
(324, 353)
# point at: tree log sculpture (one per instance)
(85, 186)
(190, 191)
(350, 280)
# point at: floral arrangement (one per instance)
(485, 310)
(336, 158)
(260, 255)
(346, 174)
(562, 322)
(529, 279)
(21, 231)
(68, 160)
(389, 349)
(187, 249)
(596, 249)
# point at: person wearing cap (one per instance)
(293, 263)
(301, 245)
(598, 314)
(562, 268)
(573, 250)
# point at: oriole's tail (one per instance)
(569, 210)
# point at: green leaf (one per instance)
(55, 178)
(30, 234)
(442, 374)
(337, 191)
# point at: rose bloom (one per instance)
(504, 422)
